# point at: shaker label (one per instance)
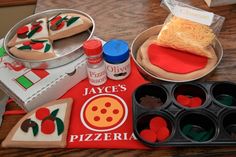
(118, 71)
(97, 76)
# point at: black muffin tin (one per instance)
(213, 117)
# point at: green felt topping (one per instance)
(54, 113)
(60, 126)
(38, 41)
(72, 20)
(47, 47)
(24, 47)
(225, 99)
(2, 52)
(35, 130)
(31, 33)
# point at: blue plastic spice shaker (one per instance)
(117, 60)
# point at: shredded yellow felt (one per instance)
(186, 35)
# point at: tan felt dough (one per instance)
(34, 55)
(41, 144)
(59, 35)
(143, 60)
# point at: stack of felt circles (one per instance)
(189, 101)
(157, 131)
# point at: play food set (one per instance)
(116, 107)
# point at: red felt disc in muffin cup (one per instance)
(162, 134)
(196, 102)
(156, 123)
(22, 30)
(183, 100)
(37, 46)
(148, 135)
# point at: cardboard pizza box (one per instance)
(31, 88)
(214, 3)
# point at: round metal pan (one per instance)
(66, 49)
(143, 36)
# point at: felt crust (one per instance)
(143, 60)
(73, 30)
(31, 55)
(41, 144)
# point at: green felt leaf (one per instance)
(47, 47)
(31, 33)
(72, 20)
(2, 52)
(38, 41)
(35, 130)
(54, 113)
(60, 126)
(24, 47)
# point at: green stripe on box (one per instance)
(25, 82)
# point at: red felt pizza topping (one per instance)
(103, 111)
(42, 113)
(156, 123)
(107, 104)
(39, 29)
(109, 119)
(196, 102)
(54, 21)
(148, 135)
(48, 126)
(26, 43)
(162, 134)
(61, 25)
(184, 100)
(37, 46)
(175, 61)
(22, 30)
(115, 111)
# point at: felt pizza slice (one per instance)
(44, 127)
(66, 25)
(33, 50)
(34, 30)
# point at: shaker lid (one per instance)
(92, 47)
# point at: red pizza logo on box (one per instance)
(104, 112)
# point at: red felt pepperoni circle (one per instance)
(103, 111)
(107, 104)
(41, 113)
(109, 119)
(183, 100)
(156, 123)
(148, 135)
(37, 46)
(55, 20)
(196, 102)
(60, 25)
(96, 118)
(115, 111)
(22, 30)
(48, 126)
(40, 28)
(26, 43)
(162, 134)
(94, 108)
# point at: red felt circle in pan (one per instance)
(22, 30)
(148, 135)
(183, 100)
(175, 61)
(162, 134)
(196, 102)
(156, 123)
(37, 46)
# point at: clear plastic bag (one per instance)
(189, 29)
